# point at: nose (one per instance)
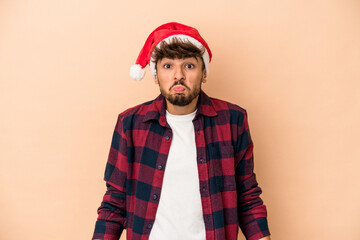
(178, 73)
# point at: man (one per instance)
(181, 166)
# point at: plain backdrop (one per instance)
(64, 72)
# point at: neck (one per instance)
(182, 110)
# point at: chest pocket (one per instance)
(221, 167)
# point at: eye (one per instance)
(190, 65)
(167, 65)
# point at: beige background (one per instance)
(294, 65)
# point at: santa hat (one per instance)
(165, 33)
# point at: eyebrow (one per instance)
(191, 57)
(180, 58)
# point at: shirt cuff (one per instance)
(256, 229)
(107, 230)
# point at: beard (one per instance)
(180, 99)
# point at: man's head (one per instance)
(180, 70)
(179, 61)
(165, 33)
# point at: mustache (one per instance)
(179, 83)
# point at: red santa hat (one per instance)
(165, 33)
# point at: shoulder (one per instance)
(232, 115)
(223, 107)
(130, 116)
(139, 109)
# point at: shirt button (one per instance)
(149, 225)
(154, 196)
(201, 160)
(159, 167)
(167, 138)
(204, 189)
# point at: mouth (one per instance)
(179, 89)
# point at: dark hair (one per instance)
(177, 49)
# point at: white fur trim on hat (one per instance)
(137, 72)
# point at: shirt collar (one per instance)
(157, 109)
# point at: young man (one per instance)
(181, 166)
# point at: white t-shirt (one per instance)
(179, 215)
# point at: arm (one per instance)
(252, 212)
(111, 219)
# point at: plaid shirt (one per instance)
(137, 161)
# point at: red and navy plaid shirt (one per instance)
(137, 161)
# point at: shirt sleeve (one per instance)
(252, 212)
(111, 219)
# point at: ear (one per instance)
(204, 79)
(156, 80)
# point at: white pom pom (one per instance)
(137, 72)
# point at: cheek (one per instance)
(163, 84)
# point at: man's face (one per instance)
(180, 79)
